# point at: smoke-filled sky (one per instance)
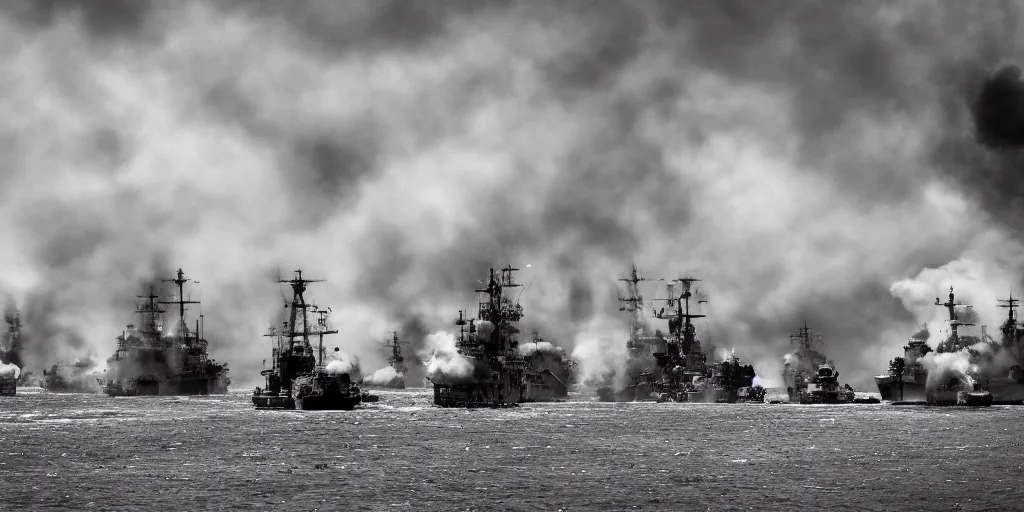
(809, 160)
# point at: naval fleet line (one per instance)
(167, 354)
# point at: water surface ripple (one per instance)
(92, 452)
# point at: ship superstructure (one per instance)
(955, 342)
(500, 375)
(152, 360)
(299, 377)
(391, 376)
(396, 360)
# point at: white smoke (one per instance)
(942, 367)
(484, 329)
(768, 373)
(445, 364)
(341, 362)
(987, 273)
(528, 348)
(386, 376)
(600, 348)
(724, 354)
(9, 370)
(686, 139)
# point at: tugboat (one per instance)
(327, 389)
(149, 361)
(823, 388)
(297, 378)
(501, 377)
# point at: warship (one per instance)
(298, 379)
(674, 368)
(909, 381)
(500, 376)
(809, 376)
(1007, 384)
(150, 361)
(393, 375)
(640, 346)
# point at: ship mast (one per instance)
(298, 304)
(149, 314)
(1010, 330)
(679, 324)
(950, 305)
(322, 329)
(804, 339)
(180, 281)
(462, 323)
(497, 309)
(396, 358)
(634, 302)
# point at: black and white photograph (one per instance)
(511, 255)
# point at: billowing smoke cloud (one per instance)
(81, 377)
(9, 370)
(949, 365)
(799, 157)
(445, 365)
(979, 280)
(340, 362)
(386, 377)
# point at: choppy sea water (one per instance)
(93, 452)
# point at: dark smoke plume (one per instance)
(801, 157)
(999, 109)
